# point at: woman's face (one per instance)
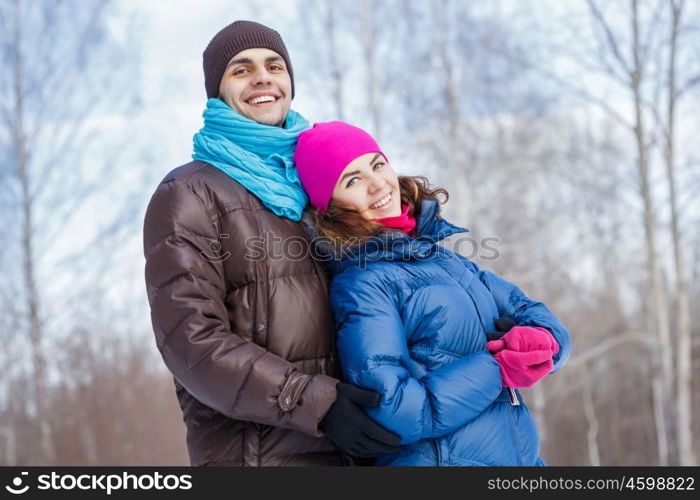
(369, 186)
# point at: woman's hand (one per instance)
(524, 355)
(525, 339)
(523, 369)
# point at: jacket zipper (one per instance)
(513, 395)
(516, 441)
(438, 452)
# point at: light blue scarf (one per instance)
(257, 156)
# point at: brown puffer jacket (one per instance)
(244, 327)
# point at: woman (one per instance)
(412, 316)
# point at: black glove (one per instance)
(503, 326)
(351, 429)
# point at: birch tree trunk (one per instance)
(663, 375)
(369, 49)
(684, 407)
(336, 72)
(591, 419)
(31, 296)
(453, 151)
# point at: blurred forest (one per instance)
(566, 132)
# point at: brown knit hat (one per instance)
(238, 36)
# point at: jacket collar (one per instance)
(391, 246)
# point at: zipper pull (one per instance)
(514, 401)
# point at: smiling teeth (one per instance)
(262, 98)
(382, 202)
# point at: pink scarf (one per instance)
(404, 222)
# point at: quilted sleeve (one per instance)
(186, 293)
(374, 355)
(513, 303)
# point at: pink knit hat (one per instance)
(322, 154)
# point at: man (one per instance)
(247, 334)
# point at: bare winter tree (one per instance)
(370, 43)
(328, 21)
(645, 47)
(58, 63)
(675, 90)
(627, 48)
(636, 70)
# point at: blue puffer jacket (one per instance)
(411, 318)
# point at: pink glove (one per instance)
(523, 369)
(525, 339)
(524, 355)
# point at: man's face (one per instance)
(256, 83)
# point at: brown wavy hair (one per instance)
(344, 226)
